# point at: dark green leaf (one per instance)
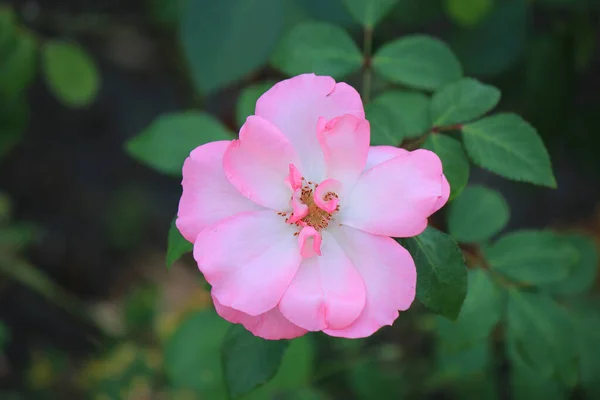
(472, 361)
(532, 257)
(462, 101)
(333, 11)
(225, 40)
(318, 47)
(18, 65)
(13, 121)
(468, 13)
(409, 111)
(246, 103)
(479, 315)
(370, 379)
(477, 215)
(413, 14)
(177, 245)
(192, 357)
(510, 147)
(166, 143)
(528, 384)
(383, 129)
(419, 61)
(588, 343)
(441, 271)
(454, 161)
(369, 12)
(582, 274)
(70, 73)
(249, 361)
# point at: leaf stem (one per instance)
(366, 73)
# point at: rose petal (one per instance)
(379, 154)
(249, 259)
(389, 274)
(207, 196)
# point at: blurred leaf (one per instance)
(474, 360)
(166, 143)
(479, 315)
(510, 147)
(454, 161)
(140, 308)
(532, 257)
(4, 336)
(246, 103)
(333, 11)
(418, 61)
(304, 394)
(249, 361)
(17, 63)
(70, 73)
(496, 43)
(528, 384)
(477, 215)
(441, 271)
(16, 237)
(588, 343)
(369, 380)
(383, 130)
(294, 373)
(226, 40)
(192, 358)
(13, 121)
(462, 101)
(125, 226)
(409, 111)
(582, 274)
(177, 245)
(318, 47)
(166, 12)
(369, 12)
(413, 14)
(468, 13)
(540, 336)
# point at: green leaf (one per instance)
(441, 271)
(462, 101)
(527, 384)
(508, 146)
(18, 65)
(70, 72)
(383, 129)
(409, 112)
(532, 257)
(477, 215)
(588, 343)
(177, 245)
(369, 380)
(540, 336)
(249, 361)
(166, 143)
(454, 161)
(192, 358)
(419, 61)
(329, 11)
(369, 12)
(468, 13)
(472, 361)
(225, 40)
(479, 315)
(318, 47)
(246, 103)
(582, 275)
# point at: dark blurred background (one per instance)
(98, 220)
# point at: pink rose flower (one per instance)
(292, 222)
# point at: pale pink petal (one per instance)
(249, 259)
(396, 197)
(327, 291)
(258, 164)
(299, 209)
(345, 144)
(325, 196)
(379, 154)
(295, 106)
(389, 274)
(207, 196)
(271, 325)
(309, 241)
(445, 195)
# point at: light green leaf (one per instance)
(246, 103)
(419, 61)
(532, 257)
(318, 47)
(454, 161)
(510, 147)
(166, 143)
(477, 215)
(468, 13)
(192, 359)
(70, 72)
(540, 336)
(177, 245)
(441, 271)
(462, 101)
(479, 315)
(225, 40)
(383, 129)
(249, 361)
(409, 111)
(369, 12)
(582, 275)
